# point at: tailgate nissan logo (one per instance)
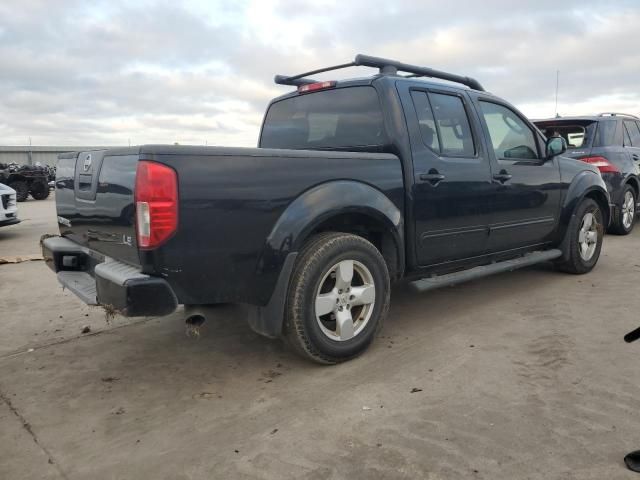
(87, 163)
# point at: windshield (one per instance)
(577, 133)
(331, 119)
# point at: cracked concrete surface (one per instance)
(522, 375)
(12, 441)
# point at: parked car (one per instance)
(610, 141)
(25, 180)
(355, 184)
(8, 206)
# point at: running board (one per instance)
(449, 279)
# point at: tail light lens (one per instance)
(604, 165)
(314, 87)
(156, 197)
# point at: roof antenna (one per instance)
(557, 86)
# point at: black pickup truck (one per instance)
(355, 184)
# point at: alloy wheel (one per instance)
(628, 210)
(345, 300)
(588, 236)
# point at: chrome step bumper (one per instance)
(100, 280)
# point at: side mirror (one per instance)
(555, 146)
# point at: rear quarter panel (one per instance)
(578, 179)
(230, 200)
(622, 160)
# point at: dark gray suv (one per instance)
(610, 141)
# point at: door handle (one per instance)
(635, 157)
(502, 177)
(433, 177)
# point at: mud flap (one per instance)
(267, 320)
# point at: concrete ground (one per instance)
(518, 376)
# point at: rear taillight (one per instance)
(156, 196)
(604, 165)
(314, 87)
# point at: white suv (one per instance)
(8, 206)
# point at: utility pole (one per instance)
(557, 87)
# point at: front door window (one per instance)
(511, 137)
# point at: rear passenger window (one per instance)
(634, 133)
(444, 125)
(510, 136)
(453, 125)
(425, 120)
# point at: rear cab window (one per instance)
(337, 119)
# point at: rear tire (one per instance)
(584, 241)
(338, 298)
(624, 217)
(39, 190)
(21, 188)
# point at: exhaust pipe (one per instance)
(194, 319)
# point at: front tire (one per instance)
(338, 298)
(22, 190)
(625, 215)
(584, 239)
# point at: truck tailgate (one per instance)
(95, 201)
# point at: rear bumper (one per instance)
(100, 280)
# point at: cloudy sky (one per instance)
(110, 72)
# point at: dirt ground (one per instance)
(519, 376)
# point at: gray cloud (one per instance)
(158, 71)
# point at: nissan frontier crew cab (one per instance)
(355, 184)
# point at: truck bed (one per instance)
(230, 200)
